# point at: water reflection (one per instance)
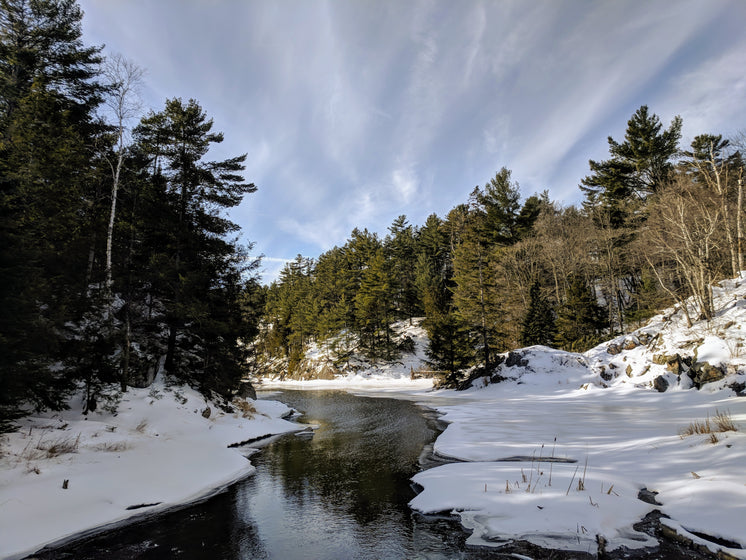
(341, 494)
(344, 493)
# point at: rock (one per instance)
(628, 371)
(660, 383)
(660, 359)
(206, 412)
(630, 344)
(739, 389)
(247, 391)
(707, 373)
(674, 364)
(606, 375)
(515, 359)
(613, 349)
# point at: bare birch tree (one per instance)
(124, 102)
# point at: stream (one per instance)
(341, 492)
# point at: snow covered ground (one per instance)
(601, 410)
(586, 432)
(158, 451)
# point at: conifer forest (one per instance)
(118, 258)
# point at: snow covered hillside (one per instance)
(318, 368)
(559, 449)
(63, 473)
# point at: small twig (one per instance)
(541, 452)
(572, 479)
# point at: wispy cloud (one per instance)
(353, 113)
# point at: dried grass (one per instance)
(245, 407)
(112, 446)
(721, 422)
(59, 446)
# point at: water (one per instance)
(342, 493)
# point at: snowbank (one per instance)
(62, 473)
(612, 433)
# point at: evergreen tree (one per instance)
(580, 321)
(639, 166)
(48, 92)
(498, 204)
(198, 267)
(401, 247)
(538, 325)
(373, 309)
(475, 296)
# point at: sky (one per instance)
(354, 112)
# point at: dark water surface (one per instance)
(341, 493)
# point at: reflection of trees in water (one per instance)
(361, 457)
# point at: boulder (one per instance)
(674, 364)
(660, 383)
(206, 412)
(515, 359)
(630, 344)
(246, 391)
(706, 373)
(739, 389)
(644, 337)
(660, 359)
(613, 349)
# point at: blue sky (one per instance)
(353, 112)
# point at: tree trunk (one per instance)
(739, 222)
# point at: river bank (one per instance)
(64, 473)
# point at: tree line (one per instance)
(115, 256)
(658, 223)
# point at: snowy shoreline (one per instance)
(63, 476)
(601, 413)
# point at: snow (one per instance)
(556, 453)
(599, 410)
(157, 449)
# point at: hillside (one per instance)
(665, 355)
(573, 451)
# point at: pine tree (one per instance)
(639, 166)
(48, 92)
(197, 267)
(538, 325)
(401, 247)
(475, 296)
(373, 309)
(580, 321)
